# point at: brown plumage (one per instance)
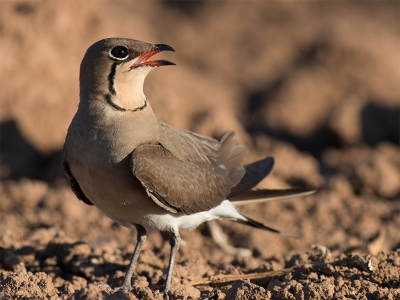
(208, 170)
(144, 173)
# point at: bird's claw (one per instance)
(104, 285)
(166, 295)
(123, 288)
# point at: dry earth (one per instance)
(315, 84)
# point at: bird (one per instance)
(144, 173)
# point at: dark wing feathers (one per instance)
(186, 172)
(254, 223)
(191, 173)
(261, 195)
(176, 185)
(75, 185)
(255, 172)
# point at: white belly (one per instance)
(173, 222)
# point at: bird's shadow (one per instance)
(20, 159)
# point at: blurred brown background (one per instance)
(315, 75)
(315, 84)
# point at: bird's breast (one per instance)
(98, 156)
(115, 191)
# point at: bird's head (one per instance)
(113, 70)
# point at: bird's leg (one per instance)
(141, 238)
(175, 241)
(221, 239)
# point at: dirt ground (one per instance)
(315, 84)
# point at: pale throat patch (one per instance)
(128, 86)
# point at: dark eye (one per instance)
(119, 52)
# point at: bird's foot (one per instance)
(123, 288)
(166, 294)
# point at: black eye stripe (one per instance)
(111, 78)
(119, 53)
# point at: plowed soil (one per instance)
(314, 84)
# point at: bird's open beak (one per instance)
(143, 60)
